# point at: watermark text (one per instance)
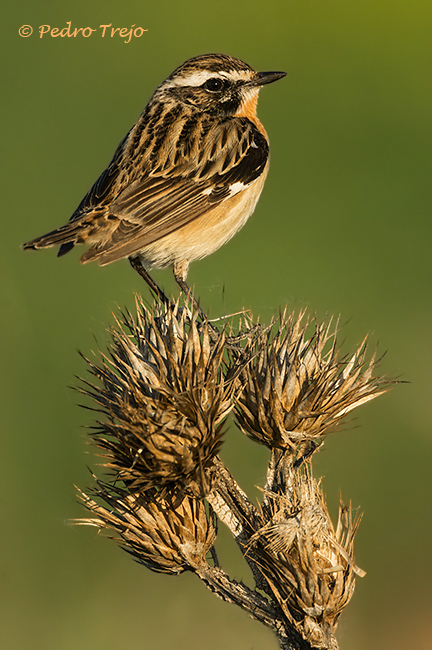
(126, 34)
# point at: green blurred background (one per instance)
(343, 227)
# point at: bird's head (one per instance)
(216, 83)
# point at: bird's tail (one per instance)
(79, 231)
(67, 235)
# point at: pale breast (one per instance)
(207, 233)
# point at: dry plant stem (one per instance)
(239, 594)
(234, 509)
(162, 395)
(276, 472)
(252, 602)
(238, 507)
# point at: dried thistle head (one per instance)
(308, 565)
(166, 538)
(163, 396)
(297, 386)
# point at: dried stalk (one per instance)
(163, 394)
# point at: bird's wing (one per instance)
(230, 157)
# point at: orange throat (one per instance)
(249, 105)
(248, 108)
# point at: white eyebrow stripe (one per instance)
(198, 78)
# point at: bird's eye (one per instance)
(213, 84)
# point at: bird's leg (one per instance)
(233, 342)
(137, 265)
(180, 270)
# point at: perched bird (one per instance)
(185, 178)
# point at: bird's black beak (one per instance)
(262, 78)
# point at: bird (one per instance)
(185, 178)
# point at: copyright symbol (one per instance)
(25, 30)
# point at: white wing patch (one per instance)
(234, 189)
